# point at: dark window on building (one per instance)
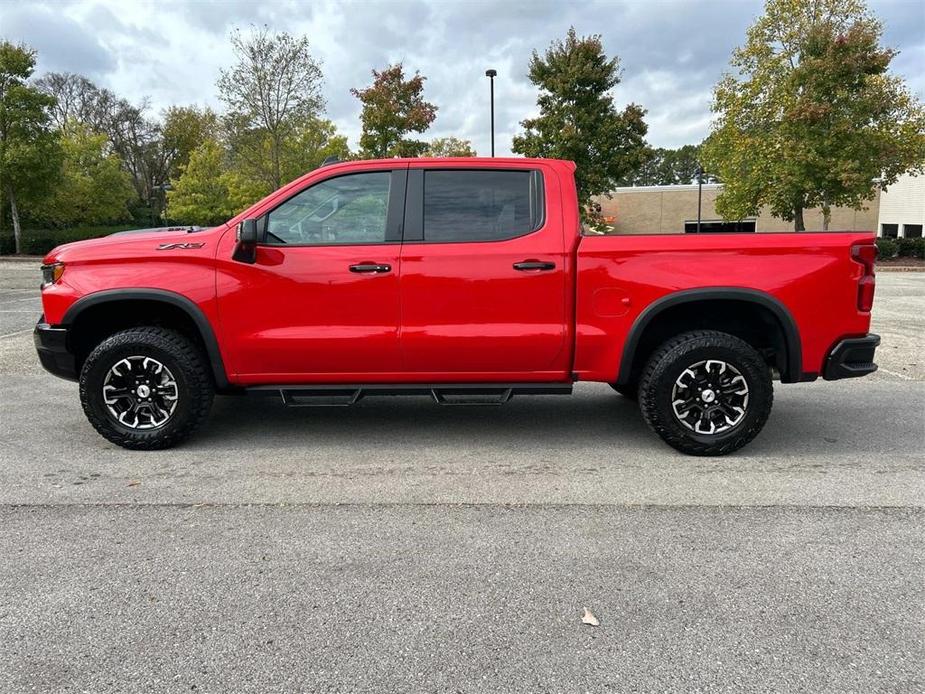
(912, 231)
(481, 205)
(718, 226)
(889, 231)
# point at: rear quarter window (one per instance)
(481, 205)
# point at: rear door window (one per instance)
(485, 205)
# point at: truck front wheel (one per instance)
(706, 393)
(146, 388)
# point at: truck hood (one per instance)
(131, 242)
(160, 230)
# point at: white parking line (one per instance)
(16, 301)
(18, 332)
(893, 373)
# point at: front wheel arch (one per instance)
(94, 317)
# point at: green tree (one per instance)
(393, 107)
(578, 120)
(309, 145)
(183, 129)
(449, 147)
(272, 91)
(678, 166)
(200, 194)
(665, 167)
(77, 100)
(812, 116)
(135, 138)
(207, 192)
(93, 188)
(30, 157)
(304, 148)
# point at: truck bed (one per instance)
(620, 278)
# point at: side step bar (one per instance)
(442, 393)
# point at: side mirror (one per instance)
(245, 251)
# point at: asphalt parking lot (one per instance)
(400, 546)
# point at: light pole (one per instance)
(699, 173)
(491, 74)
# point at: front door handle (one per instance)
(526, 265)
(370, 267)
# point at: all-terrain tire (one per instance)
(674, 358)
(184, 361)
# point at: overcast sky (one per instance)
(671, 51)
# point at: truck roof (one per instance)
(481, 161)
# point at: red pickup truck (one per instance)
(466, 279)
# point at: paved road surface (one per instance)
(402, 546)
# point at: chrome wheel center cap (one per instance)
(143, 391)
(707, 395)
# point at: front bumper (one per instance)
(851, 358)
(51, 345)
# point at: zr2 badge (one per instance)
(179, 246)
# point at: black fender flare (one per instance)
(163, 296)
(794, 356)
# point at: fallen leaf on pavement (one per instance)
(134, 483)
(589, 618)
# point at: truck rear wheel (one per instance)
(706, 393)
(146, 388)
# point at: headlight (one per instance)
(51, 273)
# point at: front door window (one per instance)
(347, 210)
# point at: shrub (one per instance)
(888, 248)
(911, 248)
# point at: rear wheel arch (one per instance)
(752, 315)
(96, 316)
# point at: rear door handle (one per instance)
(370, 267)
(526, 265)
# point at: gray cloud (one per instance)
(671, 51)
(62, 43)
(218, 16)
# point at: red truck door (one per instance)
(483, 279)
(321, 301)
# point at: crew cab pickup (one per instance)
(467, 279)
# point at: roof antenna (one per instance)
(333, 159)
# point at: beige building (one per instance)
(673, 210)
(902, 208)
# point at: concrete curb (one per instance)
(21, 259)
(900, 268)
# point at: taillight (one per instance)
(865, 253)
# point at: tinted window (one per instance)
(889, 231)
(343, 210)
(481, 205)
(718, 226)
